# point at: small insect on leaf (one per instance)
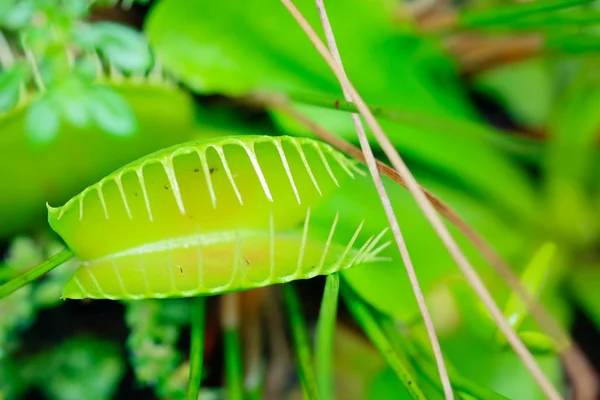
(209, 217)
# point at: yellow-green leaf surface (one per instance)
(33, 174)
(210, 217)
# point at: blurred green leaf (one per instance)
(574, 126)
(78, 156)
(112, 112)
(217, 48)
(11, 81)
(15, 14)
(78, 368)
(42, 121)
(122, 46)
(532, 280)
(538, 343)
(385, 284)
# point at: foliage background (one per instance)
(496, 114)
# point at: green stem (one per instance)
(34, 273)
(512, 12)
(233, 364)
(366, 319)
(306, 370)
(548, 22)
(325, 336)
(197, 347)
(234, 376)
(503, 140)
(426, 365)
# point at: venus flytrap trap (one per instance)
(238, 197)
(246, 200)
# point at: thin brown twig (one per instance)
(428, 210)
(392, 220)
(581, 374)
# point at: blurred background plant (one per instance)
(493, 104)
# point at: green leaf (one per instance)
(11, 81)
(78, 156)
(124, 47)
(571, 154)
(16, 14)
(532, 280)
(385, 285)
(43, 121)
(79, 368)
(217, 48)
(112, 113)
(537, 342)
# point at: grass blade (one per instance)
(234, 378)
(301, 343)
(325, 336)
(197, 347)
(365, 318)
(34, 273)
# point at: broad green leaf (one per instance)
(217, 48)
(80, 156)
(497, 369)
(571, 156)
(385, 285)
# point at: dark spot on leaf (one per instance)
(247, 261)
(313, 267)
(337, 104)
(212, 170)
(196, 169)
(135, 194)
(166, 187)
(180, 269)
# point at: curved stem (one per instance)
(325, 336)
(513, 142)
(301, 344)
(233, 355)
(197, 347)
(34, 273)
